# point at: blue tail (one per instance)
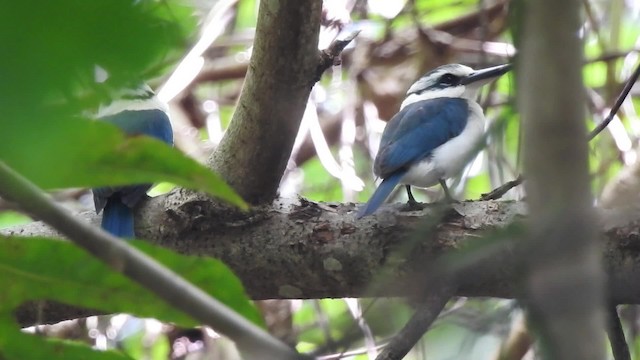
(380, 195)
(117, 219)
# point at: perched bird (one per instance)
(435, 132)
(139, 112)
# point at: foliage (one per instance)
(45, 138)
(49, 85)
(62, 60)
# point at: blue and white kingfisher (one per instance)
(435, 133)
(137, 112)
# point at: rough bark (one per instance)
(309, 250)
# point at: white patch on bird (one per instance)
(448, 159)
(118, 106)
(449, 92)
(423, 88)
(433, 77)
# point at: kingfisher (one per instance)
(137, 112)
(434, 134)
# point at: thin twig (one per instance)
(426, 313)
(498, 192)
(619, 346)
(331, 55)
(623, 95)
(349, 354)
(143, 269)
(351, 335)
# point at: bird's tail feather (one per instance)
(380, 195)
(117, 219)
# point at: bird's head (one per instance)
(452, 80)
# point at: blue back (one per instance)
(117, 202)
(418, 129)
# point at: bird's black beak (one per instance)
(485, 75)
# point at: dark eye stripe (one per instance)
(449, 79)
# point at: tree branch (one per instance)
(614, 109)
(619, 346)
(426, 313)
(331, 55)
(300, 249)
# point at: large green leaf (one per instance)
(73, 152)
(42, 268)
(53, 47)
(52, 51)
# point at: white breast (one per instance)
(449, 159)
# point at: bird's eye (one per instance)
(449, 79)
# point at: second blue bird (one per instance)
(139, 112)
(435, 133)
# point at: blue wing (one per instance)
(410, 136)
(118, 202)
(418, 129)
(117, 218)
(152, 122)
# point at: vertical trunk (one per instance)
(254, 152)
(564, 279)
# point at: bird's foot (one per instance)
(412, 205)
(448, 199)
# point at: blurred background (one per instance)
(338, 139)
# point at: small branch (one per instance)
(192, 109)
(616, 106)
(619, 346)
(331, 55)
(273, 99)
(498, 192)
(610, 56)
(141, 268)
(426, 313)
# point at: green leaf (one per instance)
(141, 346)
(49, 79)
(55, 46)
(477, 185)
(594, 74)
(41, 268)
(319, 185)
(15, 344)
(74, 152)
(210, 274)
(247, 14)
(12, 218)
